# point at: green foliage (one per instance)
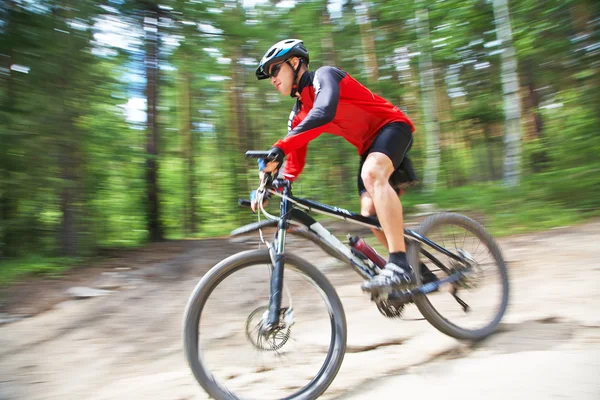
(540, 202)
(73, 168)
(26, 267)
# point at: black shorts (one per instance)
(394, 140)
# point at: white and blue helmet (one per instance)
(281, 51)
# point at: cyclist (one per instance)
(330, 100)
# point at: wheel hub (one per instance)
(265, 337)
(469, 268)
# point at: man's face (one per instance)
(283, 80)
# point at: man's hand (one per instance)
(271, 168)
(254, 200)
(254, 194)
(276, 156)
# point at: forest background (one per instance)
(123, 122)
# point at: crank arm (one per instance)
(406, 296)
(433, 286)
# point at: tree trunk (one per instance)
(413, 94)
(534, 98)
(9, 242)
(68, 143)
(399, 93)
(68, 232)
(539, 159)
(510, 88)
(188, 151)
(152, 77)
(490, 149)
(238, 119)
(428, 100)
(368, 42)
(327, 43)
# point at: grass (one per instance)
(541, 202)
(16, 269)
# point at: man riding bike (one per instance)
(330, 100)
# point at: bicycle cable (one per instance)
(260, 196)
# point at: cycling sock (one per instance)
(399, 258)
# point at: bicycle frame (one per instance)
(290, 214)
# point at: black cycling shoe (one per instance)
(392, 277)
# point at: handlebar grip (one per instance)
(258, 154)
(244, 202)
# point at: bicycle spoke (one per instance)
(480, 291)
(258, 354)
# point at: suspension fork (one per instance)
(278, 259)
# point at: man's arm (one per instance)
(294, 164)
(327, 95)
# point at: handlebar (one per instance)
(260, 154)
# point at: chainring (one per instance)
(390, 308)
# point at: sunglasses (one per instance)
(275, 70)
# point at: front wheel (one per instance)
(472, 307)
(231, 353)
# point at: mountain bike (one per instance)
(456, 249)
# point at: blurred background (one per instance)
(124, 122)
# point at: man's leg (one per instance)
(375, 174)
(367, 209)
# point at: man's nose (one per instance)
(273, 80)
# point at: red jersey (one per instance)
(332, 101)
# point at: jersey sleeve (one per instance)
(327, 94)
(294, 163)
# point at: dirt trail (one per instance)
(127, 343)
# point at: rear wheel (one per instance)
(472, 307)
(231, 353)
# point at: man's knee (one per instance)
(372, 177)
(376, 170)
(369, 177)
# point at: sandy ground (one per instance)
(127, 344)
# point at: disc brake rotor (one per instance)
(269, 339)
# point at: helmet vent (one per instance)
(290, 41)
(271, 53)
